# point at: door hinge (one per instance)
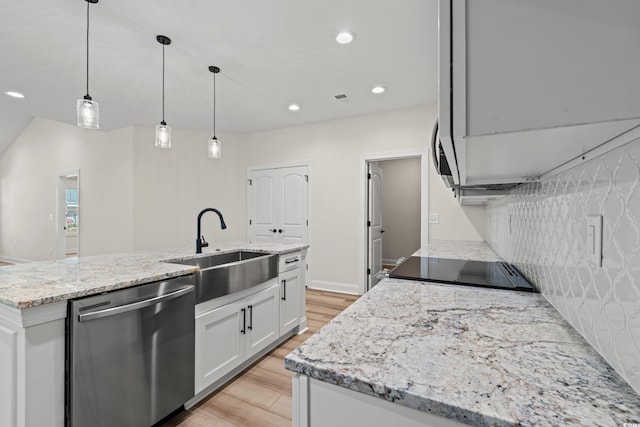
(368, 223)
(250, 181)
(307, 223)
(368, 176)
(368, 271)
(306, 267)
(306, 178)
(250, 222)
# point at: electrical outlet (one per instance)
(434, 218)
(594, 239)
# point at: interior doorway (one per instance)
(394, 210)
(68, 227)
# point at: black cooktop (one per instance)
(497, 275)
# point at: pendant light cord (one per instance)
(163, 122)
(214, 105)
(88, 4)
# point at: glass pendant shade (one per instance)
(88, 113)
(215, 148)
(163, 135)
(163, 132)
(87, 110)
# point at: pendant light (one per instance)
(163, 132)
(87, 110)
(215, 146)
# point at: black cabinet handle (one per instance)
(244, 321)
(280, 230)
(273, 230)
(291, 260)
(250, 317)
(284, 290)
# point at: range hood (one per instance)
(527, 89)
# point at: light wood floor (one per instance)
(261, 396)
(2, 263)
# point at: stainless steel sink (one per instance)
(224, 274)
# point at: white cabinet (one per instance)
(526, 86)
(32, 347)
(8, 369)
(292, 305)
(316, 403)
(227, 336)
(262, 320)
(290, 289)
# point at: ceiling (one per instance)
(271, 54)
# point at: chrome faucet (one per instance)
(200, 242)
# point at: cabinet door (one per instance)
(293, 208)
(263, 195)
(277, 205)
(219, 343)
(262, 320)
(290, 288)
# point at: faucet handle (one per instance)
(203, 243)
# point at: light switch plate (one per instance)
(594, 239)
(434, 218)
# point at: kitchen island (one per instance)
(33, 308)
(415, 353)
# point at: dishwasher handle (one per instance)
(134, 306)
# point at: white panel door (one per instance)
(278, 205)
(293, 227)
(374, 223)
(263, 206)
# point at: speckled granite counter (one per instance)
(33, 284)
(459, 249)
(478, 356)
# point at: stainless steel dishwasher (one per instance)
(130, 354)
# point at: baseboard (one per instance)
(14, 260)
(389, 261)
(345, 288)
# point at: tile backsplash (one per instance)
(542, 229)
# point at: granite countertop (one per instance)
(459, 249)
(33, 284)
(478, 356)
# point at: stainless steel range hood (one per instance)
(528, 88)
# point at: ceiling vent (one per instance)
(342, 97)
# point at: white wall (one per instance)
(335, 149)
(172, 186)
(456, 222)
(28, 186)
(400, 207)
(135, 196)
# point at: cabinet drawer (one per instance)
(290, 261)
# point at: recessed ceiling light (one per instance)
(345, 37)
(13, 94)
(378, 89)
(294, 107)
